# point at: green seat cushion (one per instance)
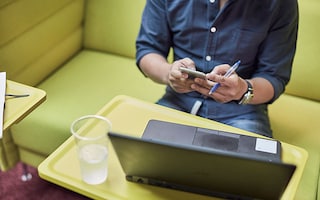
(295, 120)
(82, 86)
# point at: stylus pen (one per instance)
(17, 95)
(229, 72)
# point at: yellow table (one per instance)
(130, 116)
(15, 110)
(18, 108)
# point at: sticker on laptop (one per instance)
(267, 146)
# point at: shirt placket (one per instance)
(212, 13)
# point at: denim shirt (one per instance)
(260, 33)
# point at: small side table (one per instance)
(130, 116)
(15, 110)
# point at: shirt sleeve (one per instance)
(154, 35)
(277, 51)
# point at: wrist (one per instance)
(243, 87)
(247, 95)
(166, 78)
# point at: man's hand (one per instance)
(231, 88)
(179, 81)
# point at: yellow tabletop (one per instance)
(15, 110)
(130, 116)
(18, 108)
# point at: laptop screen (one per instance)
(200, 170)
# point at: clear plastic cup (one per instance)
(90, 134)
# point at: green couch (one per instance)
(79, 54)
(82, 54)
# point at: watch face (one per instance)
(248, 95)
(246, 98)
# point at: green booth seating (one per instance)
(82, 53)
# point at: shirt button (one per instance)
(208, 58)
(212, 1)
(213, 29)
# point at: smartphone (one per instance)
(193, 73)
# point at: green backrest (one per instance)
(112, 25)
(37, 36)
(306, 69)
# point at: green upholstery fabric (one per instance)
(82, 54)
(110, 35)
(40, 36)
(295, 115)
(296, 121)
(77, 89)
(304, 81)
(36, 38)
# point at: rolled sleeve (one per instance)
(278, 49)
(154, 35)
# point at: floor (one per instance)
(13, 188)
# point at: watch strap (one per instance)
(248, 95)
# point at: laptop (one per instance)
(200, 169)
(247, 146)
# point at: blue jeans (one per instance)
(253, 125)
(253, 118)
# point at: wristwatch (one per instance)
(248, 95)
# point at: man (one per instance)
(211, 35)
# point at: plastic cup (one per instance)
(90, 134)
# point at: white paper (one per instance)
(268, 146)
(2, 99)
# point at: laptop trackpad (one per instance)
(216, 139)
